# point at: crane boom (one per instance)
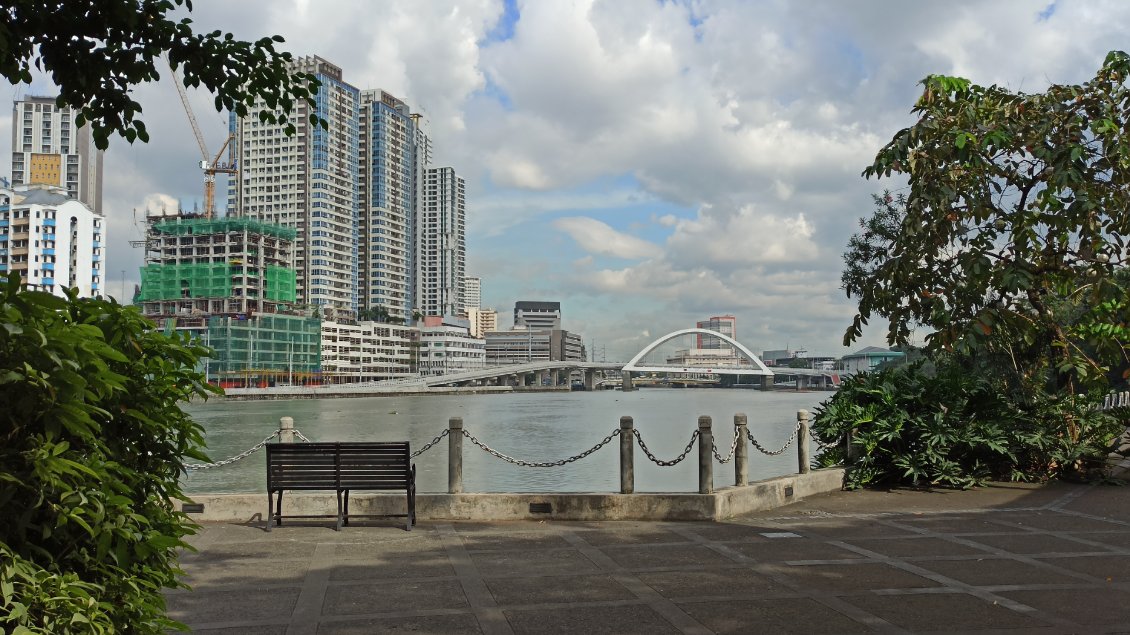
(211, 166)
(188, 111)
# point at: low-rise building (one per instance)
(868, 359)
(366, 351)
(51, 240)
(519, 346)
(444, 349)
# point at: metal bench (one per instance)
(341, 467)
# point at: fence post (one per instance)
(802, 441)
(627, 456)
(286, 430)
(455, 455)
(741, 452)
(705, 456)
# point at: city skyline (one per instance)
(646, 164)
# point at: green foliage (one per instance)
(1012, 231)
(96, 51)
(957, 427)
(92, 444)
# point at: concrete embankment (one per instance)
(722, 504)
(323, 392)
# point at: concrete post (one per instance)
(286, 430)
(767, 382)
(455, 455)
(555, 375)
(590, 379)
(705, 456)
(627, 456)
(803, 442)
(626, 385)
(741, 452)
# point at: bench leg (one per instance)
(278, 510)
(270, 508)
(339, 518)
(412, 498)
(346, 519)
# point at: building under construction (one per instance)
(231, 283)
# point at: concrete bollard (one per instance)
(802, 442)
(741, 452)
(627, 456)
(286, 430)
(455, 455)
(705, 456)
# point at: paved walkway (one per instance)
(1006, 559)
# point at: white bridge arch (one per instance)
(758, 367)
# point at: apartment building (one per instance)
(446, 349)
(724, 324)
(49, 149)
(366, 351)
(52, 240)
(442, 251)
(472, 293)
(482, 320)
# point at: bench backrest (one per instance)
(339, 465)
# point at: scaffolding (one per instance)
(262, 350)
(185, 280)
(280, 284)
(186, 225)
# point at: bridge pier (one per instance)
(590, 379)
(626, 377)
(801, 383)
(767, 382)
(555, 375)
(542, 377)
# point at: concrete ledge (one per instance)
(724, 503)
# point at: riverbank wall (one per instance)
(722, 504)
(345, 390)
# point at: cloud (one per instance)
(599, 238)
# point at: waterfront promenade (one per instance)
(1011, 558)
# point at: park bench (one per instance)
(341, 467)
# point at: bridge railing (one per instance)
(629, 437)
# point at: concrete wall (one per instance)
(724, 503)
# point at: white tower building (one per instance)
(49, 149)
(442, 251)
(53, 241)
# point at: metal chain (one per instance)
(242, 455)
(301, 436)
(524, 463)
(761, 449)
(431, 444)
(733, 448)
(825, 446)
(676, 460)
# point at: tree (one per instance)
(97, 51)
(1016, 214)
(92, 446)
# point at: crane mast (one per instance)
(210, 165)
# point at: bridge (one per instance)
(542, 373)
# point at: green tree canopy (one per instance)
(1016, 213)
(96, 52)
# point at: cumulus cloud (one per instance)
(600, 238)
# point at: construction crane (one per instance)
(211, 166)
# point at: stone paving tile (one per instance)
(741, 583)
(666, 556)
(726, 532)
(952, 612)
(265, 629)
(1033, 543)
(1080, 606)
(231, 604)
(842, 528)
(781, 549)
(556, 589)
(260, 549)
(851, 577)
(1111, 568)
(378, 549)
(995, 571)
(626, 534)
(915, 547)
(1055, 521)
(1120, 540)
(786, 615)
(354, 599)
(241, 571)
(976, 524)
(461, 623)
(541, 562)
(621, 620)
(513, 540)
(400, 565)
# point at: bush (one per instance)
(958, 427)
(92, 444)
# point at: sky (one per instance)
(648, 164)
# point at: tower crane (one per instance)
(211, 166)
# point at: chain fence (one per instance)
(242, 455)
(760, 448)
(509, 459)
(661, 463)
(733, 449)
(431, 444)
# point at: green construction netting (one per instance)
(184, 226)
(280, 284)
(170, 282)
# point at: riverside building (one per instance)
(441, 265)
(49, 149)
(51, 240)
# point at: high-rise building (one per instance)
(442, 252)
(394, 152)
(724, 324)
(472, 293)
(49, 149)
(537, 315)
(482, 320)
(52, 240)
(308, 182)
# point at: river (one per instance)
(532, 426)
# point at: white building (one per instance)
(366, 351)
(449, 349)
(537, 315)
(472, 293)
(308, 182)
(442, 249)
(49, 149)
(52, 240)
(482, 321)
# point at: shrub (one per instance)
(958, 427)
(92, 443)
